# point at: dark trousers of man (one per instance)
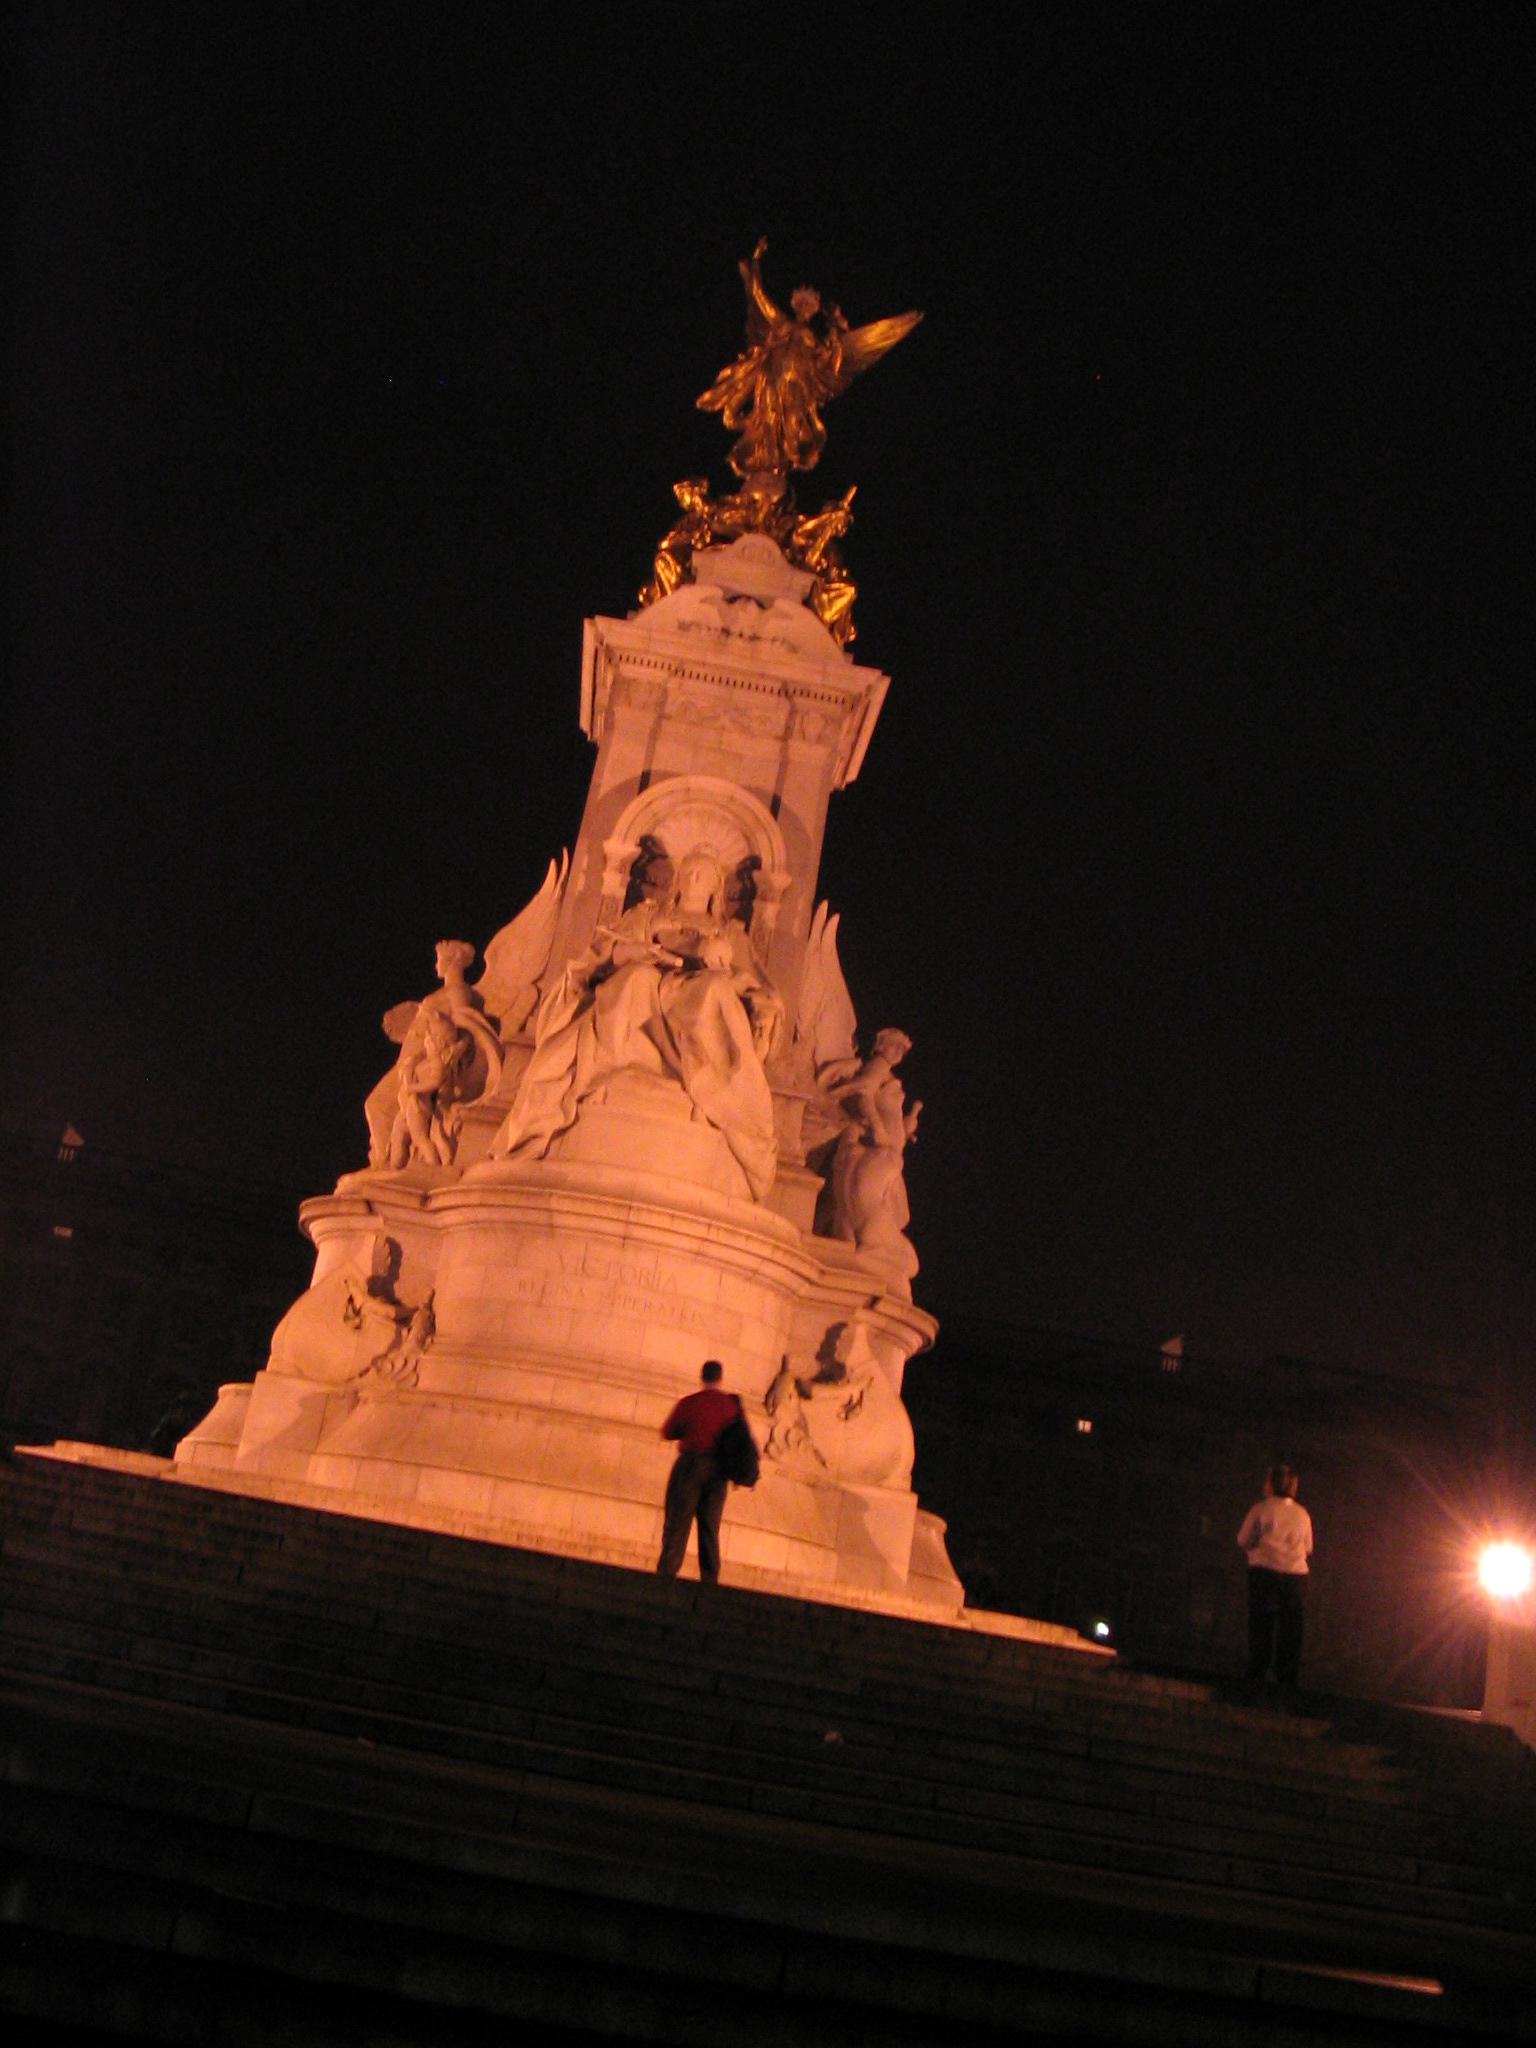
(1274, 1623)
(695, 1491)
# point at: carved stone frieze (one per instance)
(760, 694)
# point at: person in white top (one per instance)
(1277, 1535)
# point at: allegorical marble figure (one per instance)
(869, 1189)
(449, 1054)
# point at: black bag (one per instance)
(736, 1452)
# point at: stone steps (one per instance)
(534, 1702)
(255, 1770)
(195, 1882)
(1051, 1817)
(1104, 1741)
(908, 1685)
(161, 1639)
(142, 1648)
(345, 1982)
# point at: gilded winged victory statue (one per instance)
(771, 399)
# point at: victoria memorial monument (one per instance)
(643, 1130)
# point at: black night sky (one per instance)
(351, 356)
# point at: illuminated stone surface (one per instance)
(644, 1136)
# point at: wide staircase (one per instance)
(273, 1775)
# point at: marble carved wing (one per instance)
(398, 1021)
(516, 958)
(826, 1022)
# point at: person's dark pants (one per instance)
(695, 1492)
(1274, 1623)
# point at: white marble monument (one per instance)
(644, 1135)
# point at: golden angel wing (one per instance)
(862, 348)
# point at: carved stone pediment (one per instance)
(776, 689)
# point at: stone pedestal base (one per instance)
(574, 1302)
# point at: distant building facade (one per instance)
(1102, 1486)
(131, 1290)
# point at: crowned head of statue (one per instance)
(698, 887)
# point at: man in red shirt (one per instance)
(697, 1487)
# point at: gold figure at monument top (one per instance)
(772, 395)
(771, 399)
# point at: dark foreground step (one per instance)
(616, 1815)
(237, 1882)
(315, 1607)
(325, 1587)
(537, 1697)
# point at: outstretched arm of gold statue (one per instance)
(733, 391)
(764, 318)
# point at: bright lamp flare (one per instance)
(1505, 1570)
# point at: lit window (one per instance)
(1084, 1426)
(63, 1230)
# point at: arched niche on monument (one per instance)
(672, 817)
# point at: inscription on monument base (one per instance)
(654, 1304)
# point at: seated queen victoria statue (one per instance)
(671, 989)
